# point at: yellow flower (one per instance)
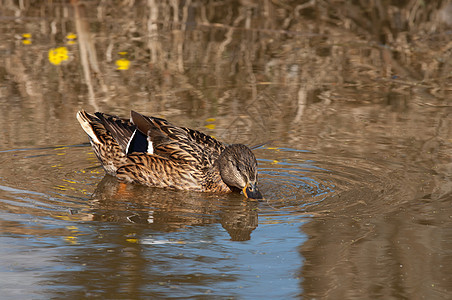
(122, 53)
(71, 36)
(122, 64)
(26, 42)
(58, 55)
(26, 35)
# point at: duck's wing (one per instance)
(126, 134)
(177, 143)
(120, 129)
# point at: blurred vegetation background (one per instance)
(253, 65)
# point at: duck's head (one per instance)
(238, 169)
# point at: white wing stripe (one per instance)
(130, 140)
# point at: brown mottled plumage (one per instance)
(151, 151)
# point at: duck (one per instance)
(151, 151)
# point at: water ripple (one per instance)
(303, 181)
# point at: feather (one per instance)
(120, 129)
(138, 142)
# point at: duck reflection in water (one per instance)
(168, 210)
(151, 151)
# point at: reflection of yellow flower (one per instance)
(210, 126)
(58, 55)
(26, 38)
(122, 53)
(122, 64)
(71, 239)
(71, 37)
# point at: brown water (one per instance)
(353, 103)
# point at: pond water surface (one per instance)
(353, 127)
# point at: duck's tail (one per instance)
(105, 146)
(91, 125)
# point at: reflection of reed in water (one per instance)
(168, 210)
(88, 56)
(256, 66)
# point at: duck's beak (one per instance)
(251, 191)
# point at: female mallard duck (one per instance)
(151, 151)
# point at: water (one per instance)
(355, 167)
